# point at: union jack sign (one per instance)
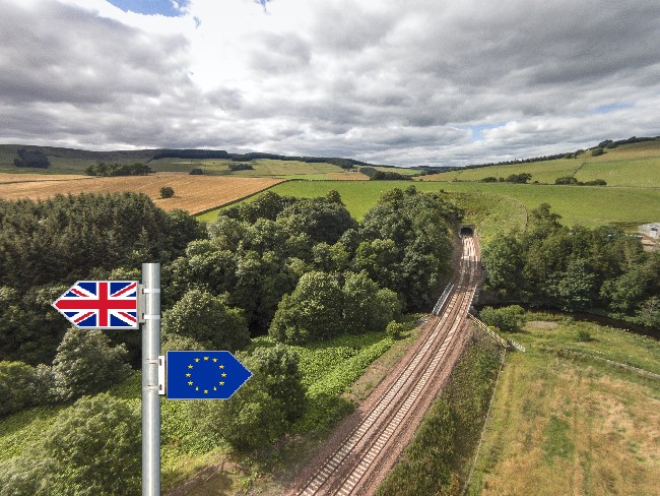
(100, 304)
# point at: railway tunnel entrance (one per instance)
(467, 230)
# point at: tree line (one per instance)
(575, 269)
(103, 170)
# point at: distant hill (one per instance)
(211, 162)
(631, 162)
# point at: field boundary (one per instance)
(240, 199)
(483, 429)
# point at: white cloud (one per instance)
(387, 81)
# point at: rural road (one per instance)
(367, 445)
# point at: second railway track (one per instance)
(359, 461)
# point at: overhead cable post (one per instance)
(150, 380)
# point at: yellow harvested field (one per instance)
(194, 194)
(19, 178)
(347, 176)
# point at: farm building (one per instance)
(651, 230)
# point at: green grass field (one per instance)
(588, 206)
(636, 164)
(564, 425)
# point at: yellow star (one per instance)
(197, 359)
(188, 375)
(215, 388)
(215, 359)
(224, 375)
(222, 366)
(206, 358)
(189, 366)
(196, 388)
(206, 391)
(222, 383)
(190, 383)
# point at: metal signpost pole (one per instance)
(150, 393)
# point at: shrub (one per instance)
(583, 336)
(208, 320)
(506, 318)
(98, 442)
(166, 192)
(596, 152)
(92, 448)
(395, 330)
(22, 385)
(86, 363)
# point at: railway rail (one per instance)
(359, 461)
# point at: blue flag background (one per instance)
(203, 375)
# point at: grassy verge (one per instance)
(564, 425)
(438, 459)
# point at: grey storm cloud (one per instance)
(388, 81)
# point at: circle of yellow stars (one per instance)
(206, 359)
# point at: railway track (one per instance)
(361, 459)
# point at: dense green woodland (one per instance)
(299, 270)
(550, 265)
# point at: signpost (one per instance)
(188, 375)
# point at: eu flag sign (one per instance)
(203, 375)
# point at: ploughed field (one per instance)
(194, 194)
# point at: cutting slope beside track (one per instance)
(367, 445)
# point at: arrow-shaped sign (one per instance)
(100, 304)
(203, 375)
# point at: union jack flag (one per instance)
(100, 304)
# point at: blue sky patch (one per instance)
(151, 7)
(613, 107)
(476, 130)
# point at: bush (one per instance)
(166, 192)
(566, 180)
(86, 364)
(92, 448)
(509, 318)
(583, 336)
(22, 385)
(597, 152)
(395, 330)
(98, 443)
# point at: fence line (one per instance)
(611, 362)
(507, 343)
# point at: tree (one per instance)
(312, 312)
(324, 220)
(93, 448)
(503, 258)
(166, 192)
(649, 312)
(208, 320)
(366, 306)
(98, 443)
(86, 363)
(566, 180)
(277, 371)
(263, 409)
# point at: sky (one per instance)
(402, 82)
